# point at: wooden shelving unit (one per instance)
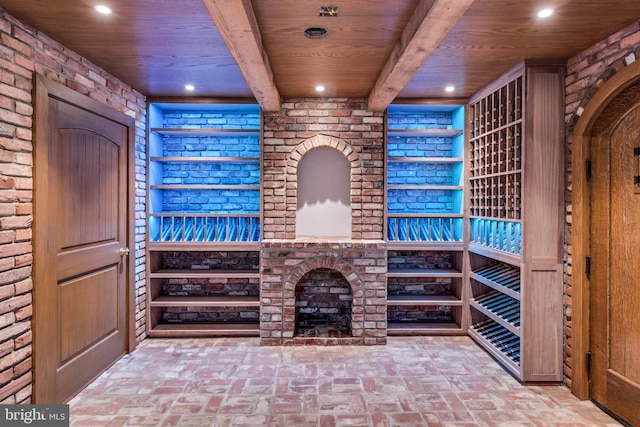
(202, 264)
(211, 289)
(515, 251)
(425, 220)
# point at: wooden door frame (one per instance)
(581, 216)
(43, 89)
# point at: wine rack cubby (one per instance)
(495, 169)
(425, 174)
(515, 214)
(203, 216)
(496, 311)
(425, 292)
(501, 277)
(505, 236)
(425, 220)
(500, 305)
(505, 342)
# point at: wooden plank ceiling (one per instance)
(375, 49)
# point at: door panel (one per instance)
(89, 212)
(615, 295)
(90, 312)
(80, 294)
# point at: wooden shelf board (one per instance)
(424, 133)
(425, 159)
(425, 215)
(493, 218)
(206, 301)
(490, 283)
(432, 300)
(424, 272)
(204, 159)
(204, 273)
(493, 316)
(424, 246)
(204, 246)
(515, 260)
(417, 328)
(502, 358)
(204, 329)
(425, 187)
(202, 187)
(496, 175)
(205, 132)
(202, 215)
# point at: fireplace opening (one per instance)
(323, 305)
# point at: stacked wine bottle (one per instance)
(500, 337)
(499, 303)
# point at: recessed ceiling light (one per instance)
(449, 88)
(105, 10)
(545, 13)
(190, 88)
(319, 88)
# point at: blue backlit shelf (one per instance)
(425, 220)
(203, 219)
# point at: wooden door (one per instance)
(81, 236)
(615, 279)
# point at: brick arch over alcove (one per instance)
(355, 164)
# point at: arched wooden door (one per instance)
(615, 254)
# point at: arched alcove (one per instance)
(323, 202)
(323, 304)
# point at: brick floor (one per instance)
(412, 381)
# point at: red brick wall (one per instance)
(303, 124)
(586, 73)
(24, 51)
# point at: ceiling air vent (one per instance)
(315, 32)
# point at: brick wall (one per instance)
(24, 51)
(586, 73)
(303, 124)
(209, 173)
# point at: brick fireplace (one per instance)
(307, 280)
(361, 263)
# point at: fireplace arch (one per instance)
(334, 264)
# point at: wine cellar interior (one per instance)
(454, 253)
(306, 179)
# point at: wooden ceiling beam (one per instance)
(427, 27)
(236, 22)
